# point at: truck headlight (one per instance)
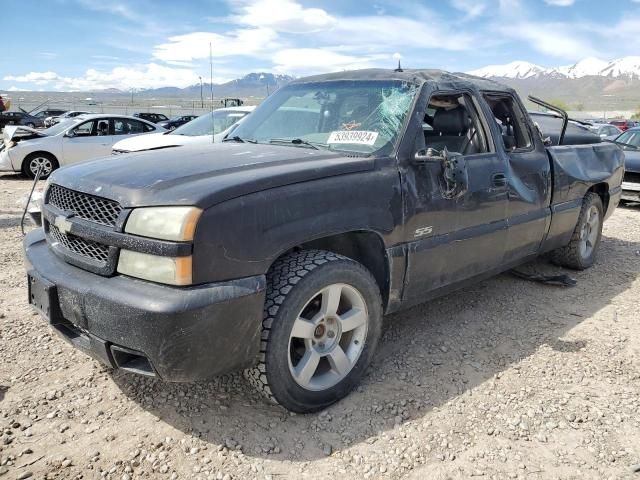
(168, 270)
(164, 223)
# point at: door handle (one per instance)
(499, 180)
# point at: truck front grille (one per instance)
(91, 208)
(80, 246)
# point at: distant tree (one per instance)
(579, 107)
(560, 104)
(635, 116)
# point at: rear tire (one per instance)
(582, 250)
(35, 160)
(322, 321)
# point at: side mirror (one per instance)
(428, 155)
(70, 134)
(456, 176)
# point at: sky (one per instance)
(95, 44)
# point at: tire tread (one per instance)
(285, 273)
(569, 255)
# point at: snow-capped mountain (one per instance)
(584, 68)
(622, 67)
(511, 70)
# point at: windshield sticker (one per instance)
(360, 137)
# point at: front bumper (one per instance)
(177, 334)
(5, 161)
(631, 191)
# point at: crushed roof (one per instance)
(415, 76)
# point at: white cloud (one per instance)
(305, 60)
(193, 46)
(39, 78)
(554, 39)
(560, 3)
(284, 16)
(473, 8)
(382, 33)
(150, 75)
(113, 8)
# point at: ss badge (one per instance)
(421, 232)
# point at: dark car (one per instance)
(49, 113)
(629, 141)
(624, 125)
(152, 117)
(550, 126)
(20, 118)
(341, 198)
(176, 122)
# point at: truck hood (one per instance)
(156, 141)
(203, 175)
(14, 131)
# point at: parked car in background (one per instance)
(629, 141)
(51, 121)
(48, 113)
(152, 117)
(74, 140)
(605, 130)
(208, 128)
(176, 122)
(20, 118)
(624, 125)
(550, 125)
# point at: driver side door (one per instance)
(87, 141)
(454, 238)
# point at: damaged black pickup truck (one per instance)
(343, 197)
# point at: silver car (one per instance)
(85, 137)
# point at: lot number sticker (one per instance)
(359, 137)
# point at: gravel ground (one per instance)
(506, 379)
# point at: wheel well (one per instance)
(602, 189)
(365, 248)
(39, 152)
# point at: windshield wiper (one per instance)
(240, 140)
(299, 141)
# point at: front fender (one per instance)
(244, 236)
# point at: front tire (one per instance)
(38, 160)
(582, 250)
(322, 321)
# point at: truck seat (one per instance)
(451, 129)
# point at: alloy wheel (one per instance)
(328, 337)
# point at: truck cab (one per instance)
(341, 198)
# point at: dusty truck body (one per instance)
(343, 197)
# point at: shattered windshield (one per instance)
(362, 116)
(210, 123)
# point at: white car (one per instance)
(605, 131)
(51, 121)
(74, 140)
(198, 131)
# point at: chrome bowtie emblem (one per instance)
(62, 224)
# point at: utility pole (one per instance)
(211, 72)
(201, 96)
(266, 82)
(132, 90)
(213, 124)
